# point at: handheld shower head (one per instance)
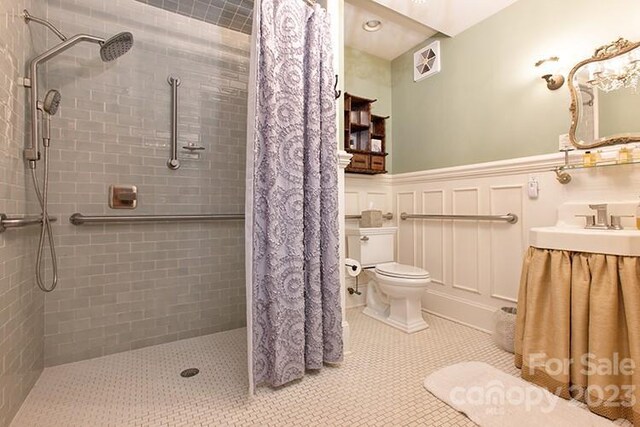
(116, 46)
(51, 102)
(109, 50)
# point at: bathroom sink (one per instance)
(614, 242)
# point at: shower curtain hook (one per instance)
(335, 88)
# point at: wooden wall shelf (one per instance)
(364, 136)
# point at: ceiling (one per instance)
(233, 14)
(407, 23)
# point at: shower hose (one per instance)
(45, 230)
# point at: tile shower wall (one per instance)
(234, 14)
(21, 303)
(128, 286)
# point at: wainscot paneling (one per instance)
(475, 266)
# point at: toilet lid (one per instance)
(402, 271)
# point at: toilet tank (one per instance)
(371, 246)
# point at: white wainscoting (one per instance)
(475, 265)
(363, 192)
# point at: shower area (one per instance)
(156, 173)
(111, 123)
(130, 285)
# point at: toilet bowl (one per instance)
(394, 293)
(394, 296)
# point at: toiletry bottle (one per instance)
(587, 159)
(638, 216)
(624, 155)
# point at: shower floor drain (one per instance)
(188, 373)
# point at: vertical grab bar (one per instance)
(173, 163)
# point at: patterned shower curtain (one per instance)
(293, 288)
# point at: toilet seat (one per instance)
(401, 271)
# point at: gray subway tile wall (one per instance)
(21, 302)
(127, 286)
(233, 14)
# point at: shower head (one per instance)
(109, 50)
(116, 46)
(51, 102)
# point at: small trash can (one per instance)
(504, 328)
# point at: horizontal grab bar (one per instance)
(510, 218)
(17, 222)
(79, 219)
(385, 216)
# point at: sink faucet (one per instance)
(601, 219)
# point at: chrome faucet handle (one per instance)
(616, 221)
(601, 215)
(590, 220)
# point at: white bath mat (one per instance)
(492, 398)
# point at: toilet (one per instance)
(395, 290)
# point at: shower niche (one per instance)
(364, 136)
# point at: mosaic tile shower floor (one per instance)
(379, 384)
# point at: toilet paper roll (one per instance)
(353, 267)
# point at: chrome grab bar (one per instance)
(510, 218)
(384, 216)
(173, 163)
(17, 222)
(79, 219)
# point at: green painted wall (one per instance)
(369, 76)
(488, 103)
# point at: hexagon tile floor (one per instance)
(380, 383)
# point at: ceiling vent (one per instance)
(426, 61)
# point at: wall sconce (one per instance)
(549, 67)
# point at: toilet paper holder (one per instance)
(353, 267)
(354, 270)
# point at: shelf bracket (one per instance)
(562, 176)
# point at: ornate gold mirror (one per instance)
(605, 96)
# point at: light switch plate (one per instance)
(533, 188)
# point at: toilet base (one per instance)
(415, 325)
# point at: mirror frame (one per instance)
(603, 53)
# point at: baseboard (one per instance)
(346, 338)
(464, 312)
(460, 322)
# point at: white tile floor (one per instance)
(380, 383)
